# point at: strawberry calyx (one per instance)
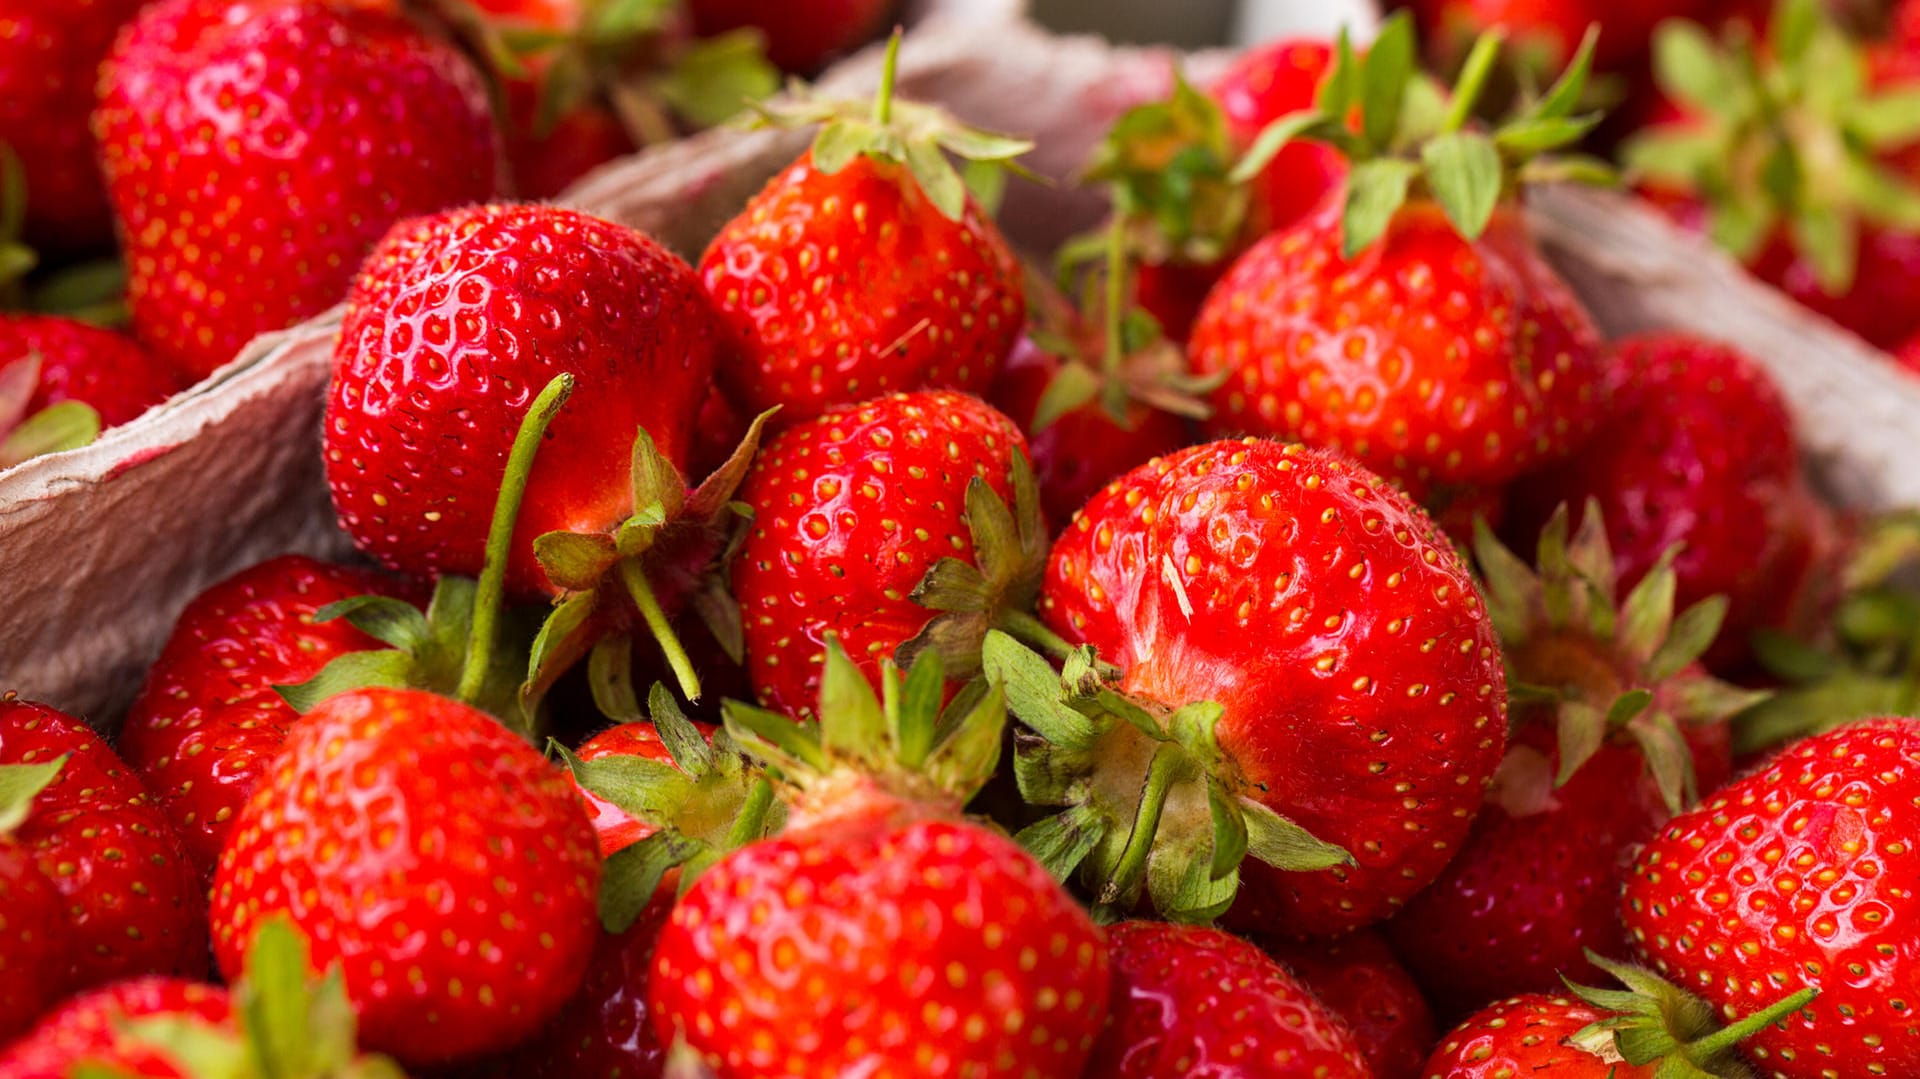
(915, 137)
(1413, 143)
(899, 751)
(450, 648)
(1787, 137)
(614, 585)
(19, 785)
(710, 800)
(1150, 802)
(289, 1025)
(63, 425)
(1657, 1023)
(1603, 667)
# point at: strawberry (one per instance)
(1264, 84)
(129, 901)
(435, 856)
(207, 105)
(1621, 729)
(49, 56)
(547, 159)
(1796, 876)
(89, 1027)
(1362, 983)
(31, 920)
(62, 381)
(1795, 158)
(886, 524)
(801, 35)
(210, 719)
(1410, 321)
(616, 829)
(1700, 455)
(881, 933)
(1908, 354)
(1309, 676)
(807, 322)
(605, 1031)
(1551, 30)
(1190, 1001)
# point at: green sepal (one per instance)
(1063, 841)
(57, 428)
(1822, 706)
(391, 621)
(1463, 170)
(648, 790)
(1691, 634)
(575, 561)
(718, 78)
(1388, 68)
(1170, 167)
(794, 750)
(690, 750)
(610, 678)
(19, 785)
(1376, 190)
(1184, 889)
(1283, 844)
(1652, 1022)
(387, 668)
(633, 874)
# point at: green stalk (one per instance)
(1033, 633)
(634, 576)
(1168, 762)
(1727, 1037)
(883, 102)
(753, 814)
(506, 514)
(1473, 80)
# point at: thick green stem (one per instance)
(506, 514)
(1724, 1039)
(1168, 762)
(1473, 80)
(634, 576)
(752, 819)
(1033, 633)
(883, 101)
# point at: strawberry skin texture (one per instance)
(1700, 451)
(1362, 684)
(1264, 84)
(1427, 357)
(834, 289)
(49, 57)
(209, 720)
(1527, 1035)
(1799, 875)
(1361, 981)
(86, 1029)
(880, 944)
(457, 322)
(438, 858)
(850, 511)
(32, 917)
(108, 371)
(615, 829)
(801, 35)
(131, 901)
(605, 1031)
(1191, 1001)
(255, 149)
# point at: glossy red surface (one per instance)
(88, 1029)
(1527, 1035)
(78, 362)
(1360, 981)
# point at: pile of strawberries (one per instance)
(1282, 631)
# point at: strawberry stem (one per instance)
(883, 101)
(1169, 761)
(1727, 1037)
(506, 513)
(1473, 79)
(634, 576)
(752, 820)
(1033, 633)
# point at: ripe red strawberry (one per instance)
(89, 1028)
(32, 920)
(255, 149)
(615, 828)
(801, 35)
(1700, 454)
(1194, 1001)
(210, 719)
(547, 162)
(861, 526)
(1552, 29)
(963, 955)
(49, 57)
(1314, 679)
(605, 1031)
(1798, 876)
(130, 902)
(1264, 84)
(106, 371)
(463, 317)
(1362, 983)
(435, 856)
(1425, 335)
(809, 321)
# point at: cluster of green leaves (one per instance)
(1652, 1022)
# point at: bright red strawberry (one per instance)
(1425, 335)
(854, 514)
(616, 829)
(89, 1028)
(809, 323)
(49, 57)
(1799, 876)
(106, 371)
(454, 326)
(130, 901)
(801, 35)
(1265, 83)
(255, 149)
(434, 855)
(210, 718)
(1194, 1001)
(1362, 983)
(964, 956)
(1700, 455)
(1312, 668)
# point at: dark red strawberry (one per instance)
(882, 932)
(255, 150)
(605, 1031)
(106, 371)
(1362, 983)
(1194, 1001)
(1798, 876)
(1549, 31)
(1413, 325)
(130, 901)
(1311, 678)
(801, 35)
(886, 524)
(434, 855)
(49, 58)
(90, 1028)
(33, 921)
(865, 267)
(1700, 456)
(547, 160)
(211, 718)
